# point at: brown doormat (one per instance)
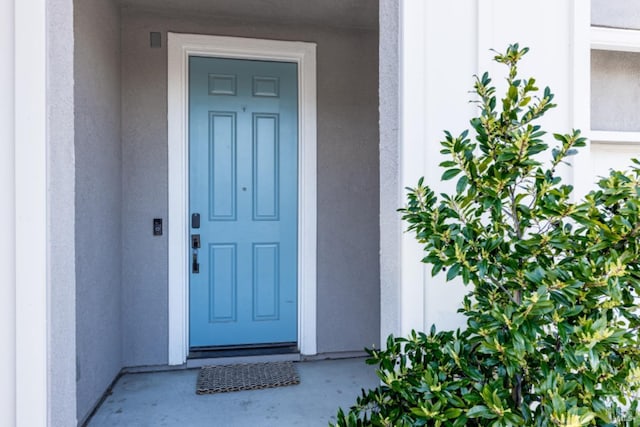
(250, 376)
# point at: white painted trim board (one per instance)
(180, 47)
(615, 137)
(615, 39)
(581, 95)
(31, 242)
(413, 73)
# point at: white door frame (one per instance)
(180, 47)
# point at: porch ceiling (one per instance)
(341, 13)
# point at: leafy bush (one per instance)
(552, 325)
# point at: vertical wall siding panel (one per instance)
(7, 219)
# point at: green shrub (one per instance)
(552, 325)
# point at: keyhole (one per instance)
(244, 188)
(244, 108)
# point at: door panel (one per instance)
(243, 150)
(265, 166)
(266, 272)
(223, 283)
(222, 166)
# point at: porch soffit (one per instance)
(338, 13)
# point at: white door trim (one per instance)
(180, 47)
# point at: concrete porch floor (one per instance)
(169, 399)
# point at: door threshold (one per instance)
(233, 360)
(242, 350)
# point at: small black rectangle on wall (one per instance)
(157, 226)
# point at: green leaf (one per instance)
(450, 173)
(448, 164)
(452, 413)
(462, 184)
(480, 411)
(453, 271)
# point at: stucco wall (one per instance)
(61, 214)
(615, 13)
(390, 195)
(98, 199)
(348, 244)
(615, 90)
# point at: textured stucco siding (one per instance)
(98, 199)
(61, 214)
(348, 207)
(390, 196)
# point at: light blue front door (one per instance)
(243, 186)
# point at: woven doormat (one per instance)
(250, 376)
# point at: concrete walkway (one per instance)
(169, 399)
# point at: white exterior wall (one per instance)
(441, 46)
